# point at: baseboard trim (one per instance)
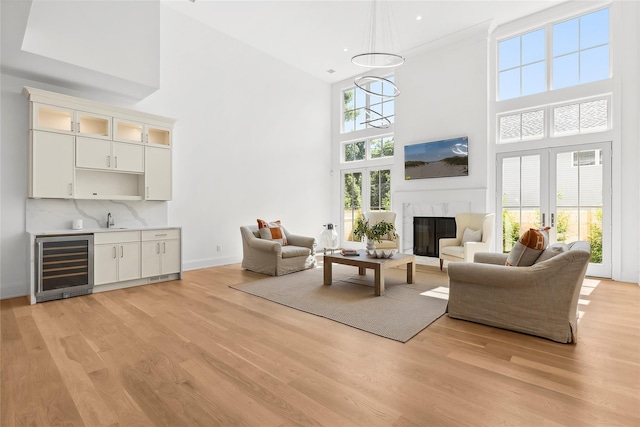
(14, 291)
(209, 262)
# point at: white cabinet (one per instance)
(54, 118)
(160, 252)
(107, 155)
(106, 146)
(157, 176)
(116, 257)
(132, 131)
(51, 169)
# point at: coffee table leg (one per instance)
(327, 272)
(379, 280)
(362, 271)
(411, 271)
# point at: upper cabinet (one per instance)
(81, 149)
(144, 133)
(64, 120)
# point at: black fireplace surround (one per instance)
(427, 232)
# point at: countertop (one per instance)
(95, 230)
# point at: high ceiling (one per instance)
(317, 36)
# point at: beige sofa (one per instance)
(269, 257)
(540, 300)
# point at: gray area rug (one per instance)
(399, 314)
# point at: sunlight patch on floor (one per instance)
(440, 292)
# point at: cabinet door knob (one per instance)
(114, 252)
(158, 247)
(121, 251)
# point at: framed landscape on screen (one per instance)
(437, 159)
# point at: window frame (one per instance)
(548, 31)
(379, 101)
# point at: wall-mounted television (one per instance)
(437, 159)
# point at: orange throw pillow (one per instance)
(527, 250)
(272, 231)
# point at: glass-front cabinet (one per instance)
(64, 120)
(131, 131)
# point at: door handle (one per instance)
(78, 127)
(158, 248)
(114, 252)
(553, 222)
(543, 220)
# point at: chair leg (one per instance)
(441, 262)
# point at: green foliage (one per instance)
(353, 191)
(595, 238)
(510, 231)
(354, 151)
(562, 225)
(374, 232)
(380, 191)
(414, 163)
(456, 160)
(349, 114)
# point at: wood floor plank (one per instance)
(196, 352)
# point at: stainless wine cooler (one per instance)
(64, 266)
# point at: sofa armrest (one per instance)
(490, 258)
(471, 248)
(449, 241)
(304, 241)
(265, 245)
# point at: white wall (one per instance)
(444, 95)
(252, 140)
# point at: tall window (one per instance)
(579, 54)
(522, 65)
(373, 148)
(581, 50)
(362, 111)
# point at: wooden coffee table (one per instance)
(363, 261)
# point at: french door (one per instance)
(567, 189)
(367, 189)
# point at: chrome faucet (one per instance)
(110, 222)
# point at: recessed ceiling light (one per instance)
(418, 18)
(346, 49)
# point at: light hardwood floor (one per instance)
(198, 353)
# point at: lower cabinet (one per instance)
(116, 257)
(160, 252)
(134, 256)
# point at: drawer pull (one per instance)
(160, 235)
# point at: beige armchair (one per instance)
(269, 257)
(539, 300)
(455, 249)
(375, 217)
